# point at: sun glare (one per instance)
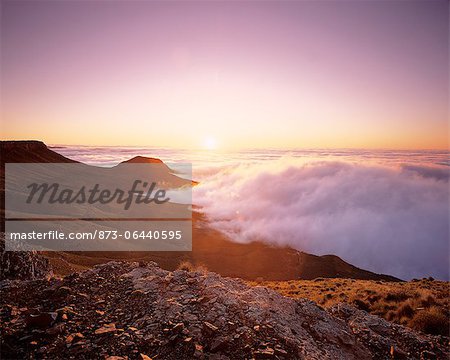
(210, 143)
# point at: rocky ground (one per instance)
(24, 265)
(422, 305)
(124, 310)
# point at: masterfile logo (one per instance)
(129, 207)
(53, 193)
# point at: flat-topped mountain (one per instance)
(142, 160)
(29, 151)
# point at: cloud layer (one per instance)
(385, 219)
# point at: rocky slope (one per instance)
(129, 310)
(421, 304)
(23, 265)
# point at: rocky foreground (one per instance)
(22, 265)
(123, 310)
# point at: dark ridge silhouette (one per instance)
(30, 151)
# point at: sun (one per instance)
(210, 143)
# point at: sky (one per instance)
(297, 74)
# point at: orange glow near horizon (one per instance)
(252, 74)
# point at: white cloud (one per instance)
(391, 220)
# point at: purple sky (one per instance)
(256, 74)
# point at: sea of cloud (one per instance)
(382, 210)
(387, 219)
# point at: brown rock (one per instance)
(137, 293)
(397, 353)
(198, 353)
(267, 353)
(144, 357)
(56, 329)
(209, 328)
(74, 337)
(280, 352)
(178, 327)
(220, 343)
(41, 320)
(107, 328)
(63, 291)
(65, 313)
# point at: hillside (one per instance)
(126, 310)
(420, 304)
(29, 151)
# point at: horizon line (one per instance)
(228, 149)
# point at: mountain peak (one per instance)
(142, 160)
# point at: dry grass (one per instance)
(420, 304)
